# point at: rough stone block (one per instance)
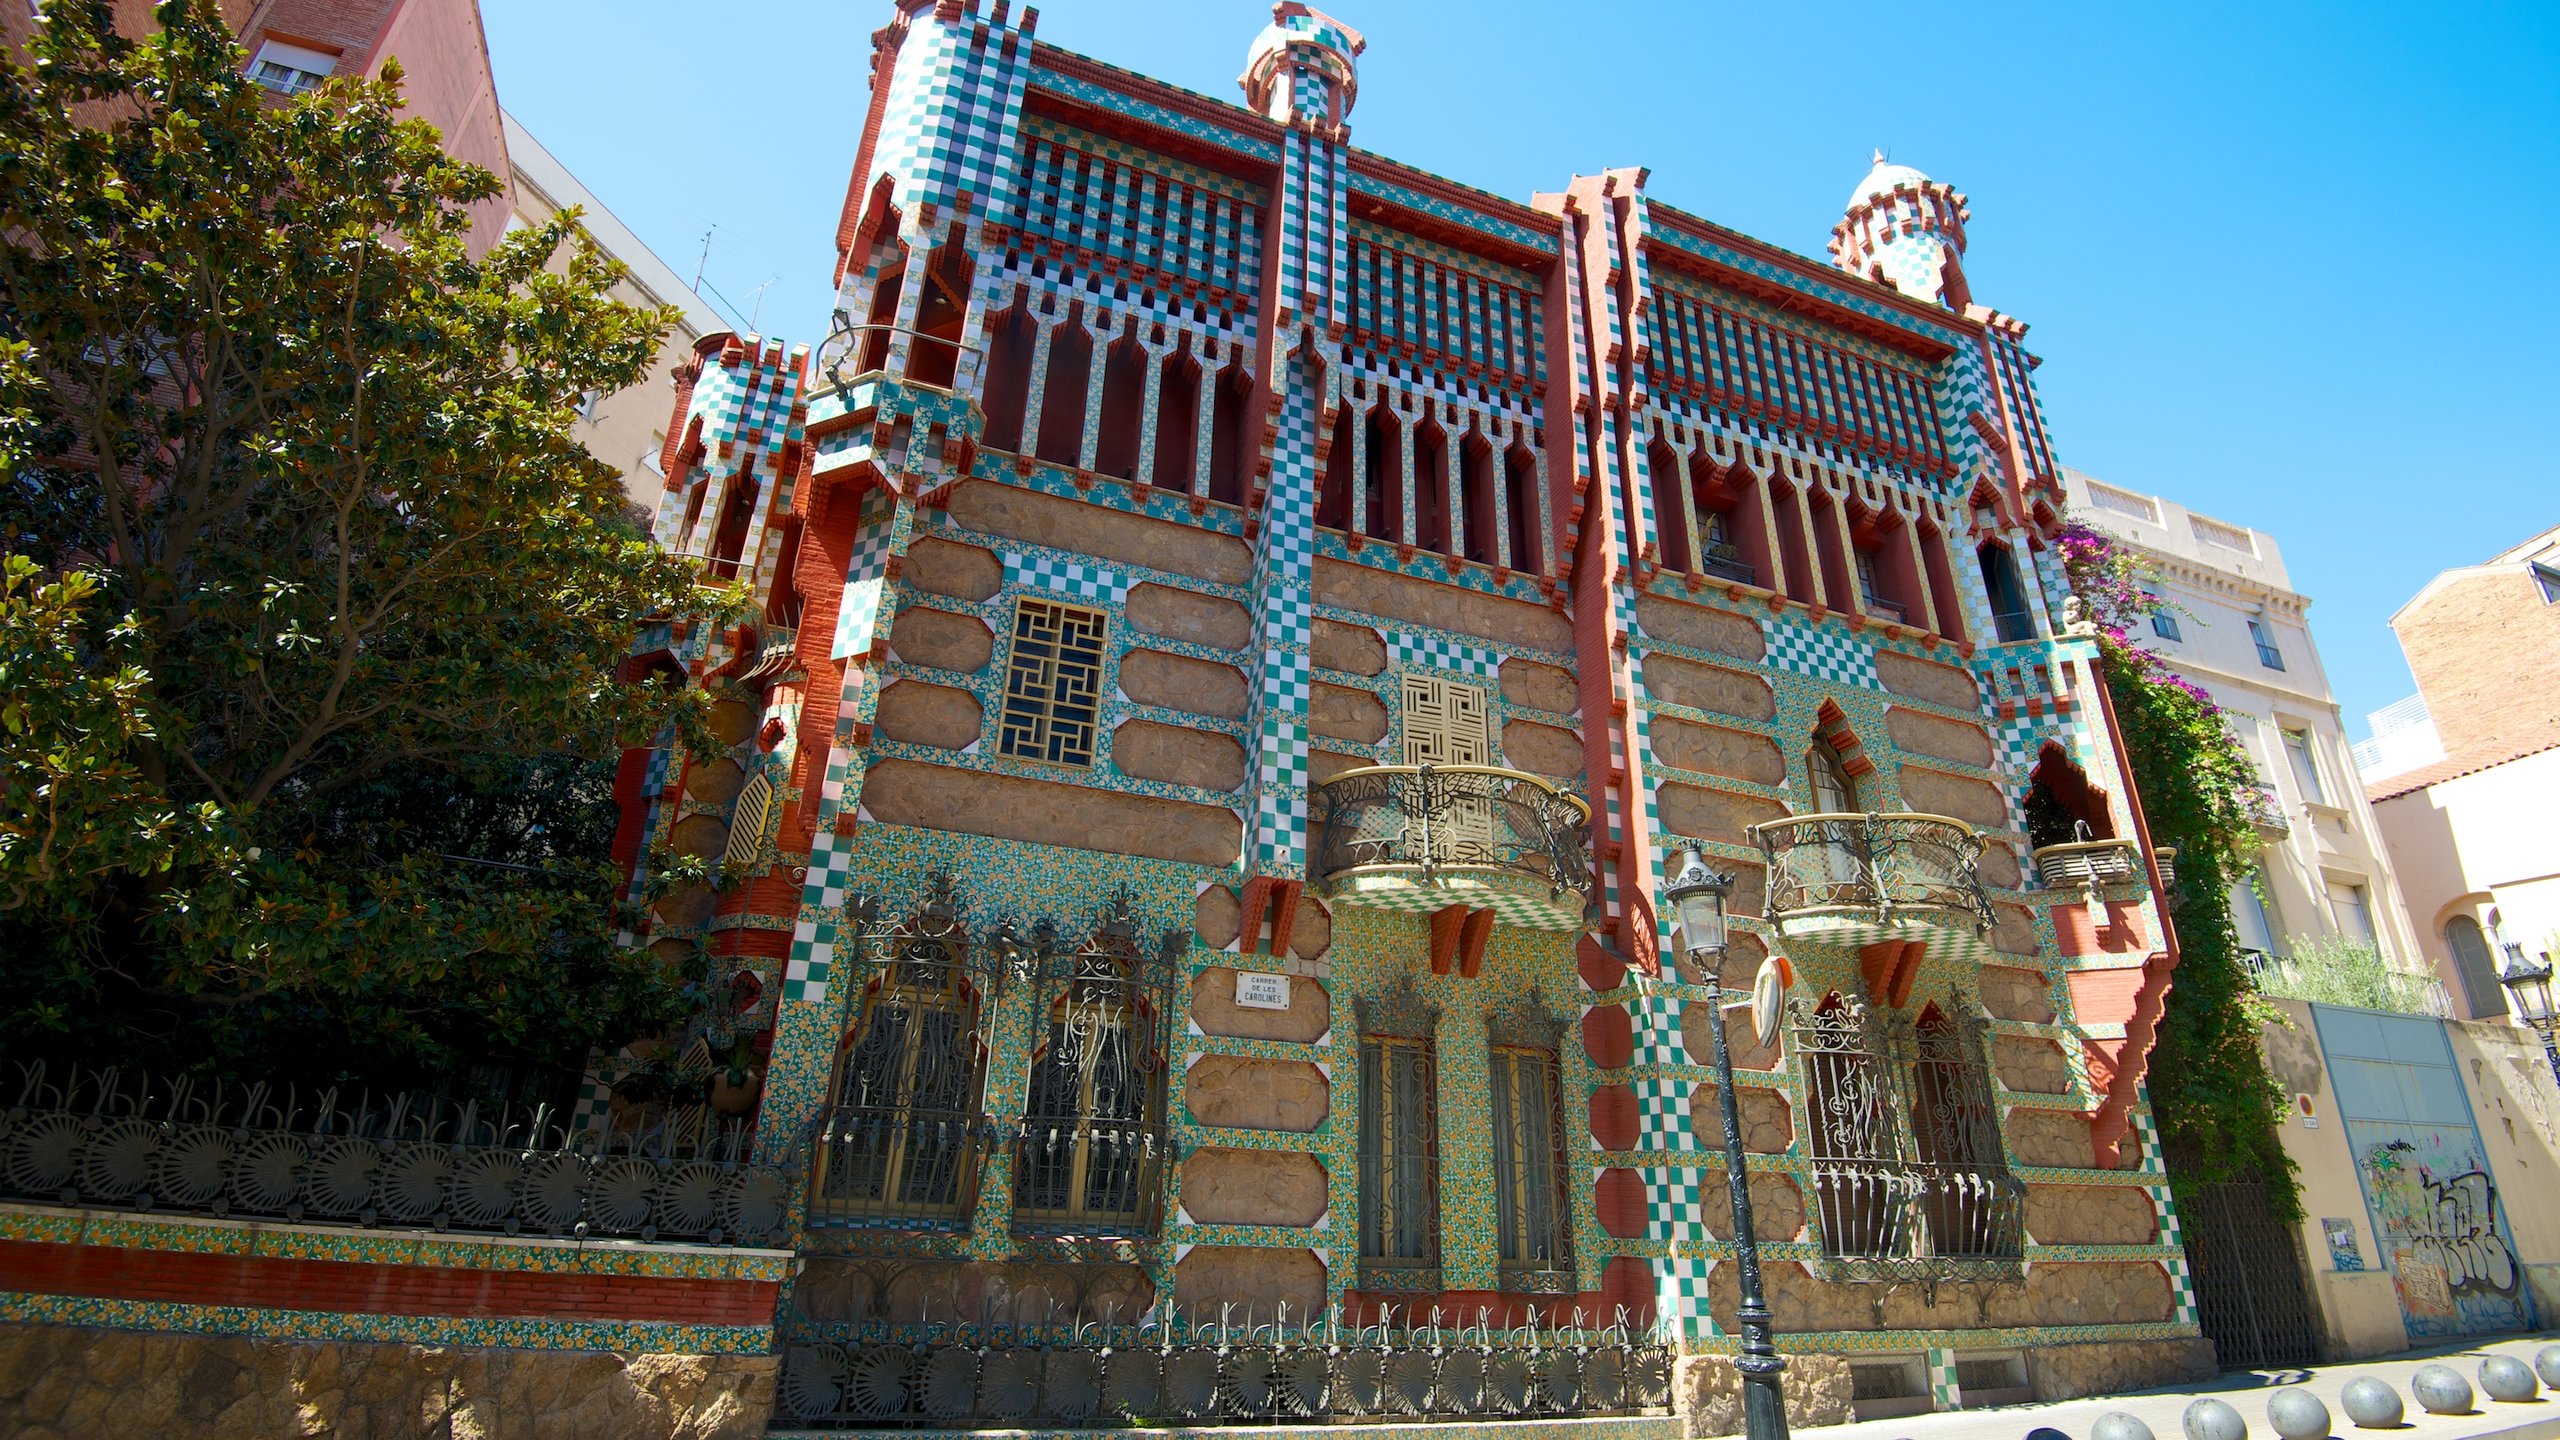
(1338, 712)
(1442, 607)
(1926, 680)
(945, 567)
(1248, 1278)
(1234, 1092)
(1188, 615)
(1175, 755)
(1721, 631)
(1008, 807)
(1924, 734)
(1253, 1187)
(1706, 1392)
(2057, 1138)
(1214, 1008)
(1704, 814)
(1542, 749)
(2091, 1215)
(2013, 994)
(1353, 649)
(941, 640)
(1704, 687)
(935, 715)
(1090, 529)
(1178, 682)
(2030, 1065)
(1712, 750)
(1540, 687)
(1935, 792)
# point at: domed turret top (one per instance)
(1330, 51)
(1886, 176)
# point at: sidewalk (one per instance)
(2246, 1392)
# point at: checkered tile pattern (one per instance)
(1681, 1292)
(813, 939)
(954, 114)
(1091, 584)
(1439, 652)
(857, 622)
(1944, 1392)
(1676, 1200)
(1662, 1113)
(1823, 652)
(2182, 1281)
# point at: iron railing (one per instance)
(876, 1166)
(1873, 867)
(1431, 817)
(2089, 864)
(1910, 1182)
(849, 1375)
(107, 1140)
(1724, 559)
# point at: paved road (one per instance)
(2247, 1391)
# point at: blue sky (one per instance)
(2287, 264)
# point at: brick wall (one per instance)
(2485, 649)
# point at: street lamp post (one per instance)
(2528, 985)
(1697, 895)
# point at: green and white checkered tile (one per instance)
(1437, 652)
(1043, 570)
(1680, 1293)
(858, 615)
(1822, 652)
(1676, 1199)
(1944, 1392)
(1662, 1114)
(2182, 1282)
(804, 975)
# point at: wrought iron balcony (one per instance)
(1873, 873)
(1419, 837)
(1724, 559)
(896, 1168)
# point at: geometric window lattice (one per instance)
(1092, 1153)
(1528, 1168)
(1444, 722)
(1053, 687)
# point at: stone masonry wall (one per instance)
(60, 1382)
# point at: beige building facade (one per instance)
(628, 428)
(2235, 625)
(2469, 830)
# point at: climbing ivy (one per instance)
(2210, 1089)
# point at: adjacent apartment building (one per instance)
(2234, 625)
(2464, 776)
(1244, 629)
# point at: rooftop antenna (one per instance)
(705, 258)
(758, 297)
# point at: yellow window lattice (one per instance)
(1444, 723)
(747, 821)
(1053, 684)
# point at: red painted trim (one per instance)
(351, 1287)
(2113, 1116)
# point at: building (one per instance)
(628, 428)
(2469, 831)
(2235, 626)
(1244, 627)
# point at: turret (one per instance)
(1905, 230)
(1303, 66)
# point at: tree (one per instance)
(341, 577)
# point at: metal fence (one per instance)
(107, 1140)
(861, 1375)
(1874, 865)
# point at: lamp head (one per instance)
(1697, 895)
(2528, 984)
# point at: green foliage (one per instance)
(2210, 1089)
(2334, 970)
(326, 664)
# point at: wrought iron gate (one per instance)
(2250, 1294)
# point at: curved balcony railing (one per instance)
(2089, 864)
(1396, 834)
(1877, 868)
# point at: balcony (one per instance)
(2089, 865)
(1724, 561)
(1856, 879)
(1417, 838)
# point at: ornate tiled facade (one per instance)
(1704, 528)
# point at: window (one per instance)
(2306, 766)
(1091, 1152)
(2229, 537)
(2010, 619)
(290, 69)
(2268, 654)
(2549, 579)
(901, 1144)
(2165, 625)
(1528, 1165)
(1399, 1164)
(2249, 918)
(1907, 1162)
(2355, 915)
(2479, 973)
(1869, 597)
(1053, 683)
(1835, 790)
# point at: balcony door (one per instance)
(1444, 724)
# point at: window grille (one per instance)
(1910, 1181)
(2124, 502)
(1399, 1149)
(1444, 723)
(905, 1139)
(1053, 683)
(1093, 1143)
(1528, 1166)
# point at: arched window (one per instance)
(1093, 1148)
(1969, 1202)
(2476, 967)
(2062, 806)
(1399, 1163)
(902, 1142)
